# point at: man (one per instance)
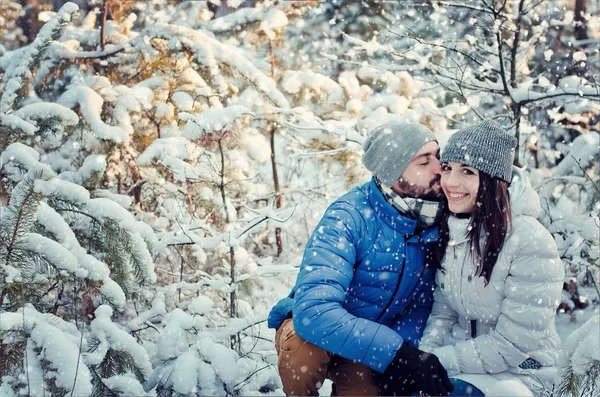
(365, 286)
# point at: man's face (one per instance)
(421, 179)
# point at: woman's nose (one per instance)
(452, 180)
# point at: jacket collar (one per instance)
(458, 228)
(393, 218)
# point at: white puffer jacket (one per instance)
(478, 329)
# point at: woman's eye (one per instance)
(467, 171)
(445, 167)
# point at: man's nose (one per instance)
(437, 167)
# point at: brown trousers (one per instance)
(303, 368)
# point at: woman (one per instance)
(492, 323)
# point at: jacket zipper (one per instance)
(460, 281)
(395, 292)
(473, 323)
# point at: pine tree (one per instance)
(64, 250)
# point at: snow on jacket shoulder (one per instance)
(479, 329)
(363, 288)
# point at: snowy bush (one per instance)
(580, 374)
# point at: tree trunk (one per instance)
(103, 12)
(515, 46)
(29, 23)
(235, 341)
(272, 129)
(278, 198)
(580, 22)
(517, 112)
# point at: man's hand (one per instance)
(414, 370)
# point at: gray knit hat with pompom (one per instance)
(391, 147)
(484, 146)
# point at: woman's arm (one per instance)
(439, 323)
(532, 292)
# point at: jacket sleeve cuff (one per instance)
(448, 358)
(427, 348)
(380, 356)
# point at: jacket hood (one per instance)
(523, 199)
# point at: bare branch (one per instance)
(502, 67)
(586, 174)
(515, 45)
(93, 54)
(459, 5)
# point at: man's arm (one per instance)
(325, 275)
(411, 322)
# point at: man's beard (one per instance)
(433, 192)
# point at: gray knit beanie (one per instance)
(484, 146)
(390, 148)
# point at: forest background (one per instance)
(163, 163)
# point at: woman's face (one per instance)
(460, 184)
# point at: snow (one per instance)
(274, 20)
(591, 229)
(240, 17)
(214, 120)
(35, 371)
(295, 81)
(173, 340)
(176, 147)
(90, 105)
(63, 190)
(17, 73)
(257, 147)
(224, 360)
(209, 52)
(183, 101)
(113, 292)
(122, 199)
(164, 111)
(185, 375)
(64, 357)
(21, 154)
(17, 123)
(190, 76)
(583, 345)
(125, 385)
(90, 267)
(105, 208)
(579, 56)
(158, 308)
(113, 337)
(57, 255)
(47, 110)
(201, 305)
(57, 343)
(583, 148)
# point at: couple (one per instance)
(432, 278)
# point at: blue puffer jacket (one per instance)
(363, 287)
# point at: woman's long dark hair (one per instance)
(493, 215)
